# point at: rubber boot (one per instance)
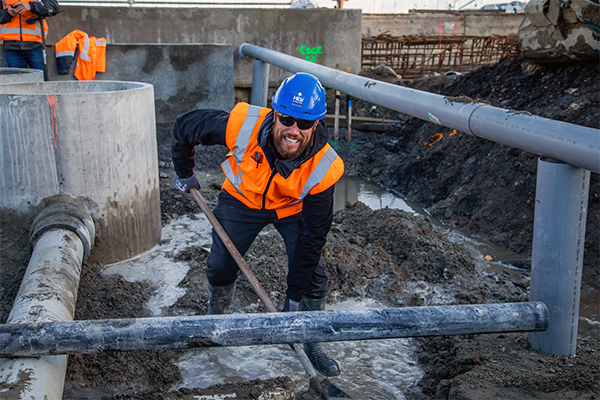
(219, 298)
(324, 364)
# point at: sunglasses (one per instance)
(303, 124)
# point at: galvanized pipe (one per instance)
(557, 253)
(62, 237)
(569, 143)
(260, 83)
(80, 337)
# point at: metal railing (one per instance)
(568, 153)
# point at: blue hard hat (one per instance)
(301, 96)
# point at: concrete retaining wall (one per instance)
(335, 35)
(428, 24)
(184, 77)
(190, 55)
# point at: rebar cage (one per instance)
(418, 56)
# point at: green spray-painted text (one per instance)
(310, 53)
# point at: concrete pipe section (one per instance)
(62, 237)
(20, 75)
(95, 140)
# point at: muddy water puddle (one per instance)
(371, 369)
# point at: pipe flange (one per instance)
(64, 212)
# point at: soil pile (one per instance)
(472, 183)
(390, 255)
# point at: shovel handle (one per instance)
(260, 292)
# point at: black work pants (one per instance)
(242, 225)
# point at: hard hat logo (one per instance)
(298, 99)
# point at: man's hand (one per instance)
(19, 8)
(185, 184)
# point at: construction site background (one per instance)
(144, 41)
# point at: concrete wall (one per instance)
(336, 32)
(184, 76)
(428, 24)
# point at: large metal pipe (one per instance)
(273, 328)
(572, 144)
(62, 236)
(557, 253)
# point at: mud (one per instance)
(389, 255)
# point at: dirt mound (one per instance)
(483, 187)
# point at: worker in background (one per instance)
(22, 40)
(280, 170)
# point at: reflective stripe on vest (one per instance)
(25, 31)
(65, 53)
(85, 52)
(236, 180)
(319, 173)
(241, 143)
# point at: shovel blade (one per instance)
(324, 390)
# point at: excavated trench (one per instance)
(386, 257)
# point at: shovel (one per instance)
(317, 389)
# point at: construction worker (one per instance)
(22, 40)
(280, 170)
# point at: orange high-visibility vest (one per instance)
(249, 175)
(91, 58)
(18, 29)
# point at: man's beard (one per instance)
(284, 153)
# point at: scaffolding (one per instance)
(417, 56)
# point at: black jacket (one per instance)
(208, 127)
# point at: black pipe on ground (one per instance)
(79, 337)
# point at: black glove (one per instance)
(290, 305)
(186, 184)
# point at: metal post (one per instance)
(349, 117)
(79, 337)
(336, 120)
(260, 83)
(557, 253)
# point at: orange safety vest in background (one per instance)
(19, 30)
(91, 57)
(249, 175)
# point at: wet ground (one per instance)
(390, 256)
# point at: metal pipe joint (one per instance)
(65, 212)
